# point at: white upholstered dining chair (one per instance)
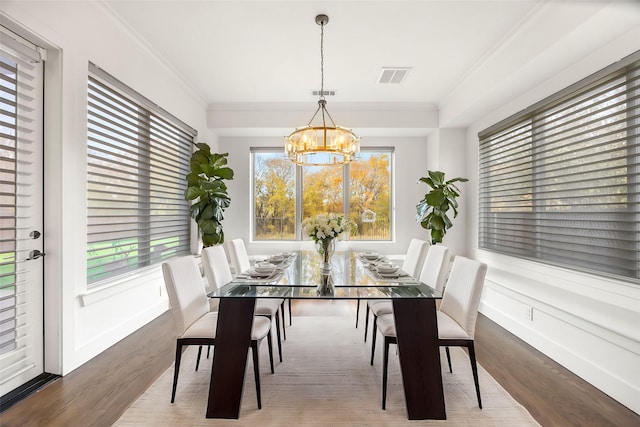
(411, 264)
(195, 323)
(414, 258)
(434, 273)
(456, 318)
(238, 256)
(241, 262)
(216, 268)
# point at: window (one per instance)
(274, 197)
(560, 182)
(370, 195)
(284, 194)
(138, 158)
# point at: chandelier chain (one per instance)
(322, 61)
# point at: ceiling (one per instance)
(463, 56)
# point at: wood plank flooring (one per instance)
(97, 393)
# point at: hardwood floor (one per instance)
(97, 393)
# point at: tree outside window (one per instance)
(365, 184)
(275, 197)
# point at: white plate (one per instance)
(371, 255)
(393, 275)
(390, 270)
(264, 267)
(260, 274)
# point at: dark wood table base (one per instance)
(233, 337)
(417, 335)
(419, 354)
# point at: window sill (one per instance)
(108, 288)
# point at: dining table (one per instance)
(301, 275)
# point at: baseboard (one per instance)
(587, 352)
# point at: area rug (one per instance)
(325, 379)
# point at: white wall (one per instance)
(587, 323)
(447, 153)
(79, 325)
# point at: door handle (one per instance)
(35, 254)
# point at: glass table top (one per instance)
(299, 275)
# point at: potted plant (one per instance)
(431, 212)
(206, 186)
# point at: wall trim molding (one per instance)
(601, 356)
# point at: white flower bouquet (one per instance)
(326, 227)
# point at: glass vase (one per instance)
(326, 248)
(325, 287)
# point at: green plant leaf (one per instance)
(446, 222)
(218, 211)
(192, 179)
(451, 181)
(224, 173)
(435, 198)
(207, 212)
(198, 159)
(212, 239)
(427, 181)
(455, 211)
(194, 210)
(213, 186)
(208, 226)
(193, 193)
(219, 159)
(436, 236)
(224, 202)
(437, 178)
(436, 222)
(422, 208)
(203, 147)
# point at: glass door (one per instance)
(21, 212)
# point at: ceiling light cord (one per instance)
(322, 101)
(322, 145)
(322, 60)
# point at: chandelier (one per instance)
(324, 143)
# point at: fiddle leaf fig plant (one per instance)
(432, 211)
(206, 187)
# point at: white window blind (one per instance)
(138, 159)
(560, 181)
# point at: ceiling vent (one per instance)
(393, 75)
(324, 92)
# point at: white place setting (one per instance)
(382, 270)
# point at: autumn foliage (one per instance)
(322, 189)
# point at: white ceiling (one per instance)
(464, 55)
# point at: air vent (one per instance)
(324, 92)
(393, 75)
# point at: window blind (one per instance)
(559, 182)
(138, 158)
(21, 113)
